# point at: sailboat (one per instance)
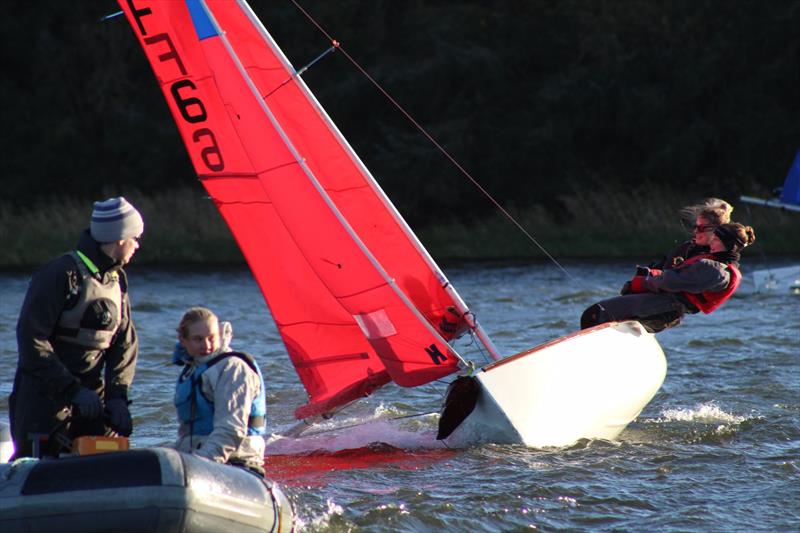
(787, 198)
(357, 299)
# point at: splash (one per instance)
(707, 413)
(372, 442)
(332, 509)
(383, 427)
(703, 424)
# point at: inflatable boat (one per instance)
(150, 489)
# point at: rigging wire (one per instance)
(433, 141)
(331, 49)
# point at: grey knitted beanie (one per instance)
(115, 219)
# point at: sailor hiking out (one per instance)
(660, 298)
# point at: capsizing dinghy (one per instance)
(357, 299)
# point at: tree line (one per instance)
(535, 99)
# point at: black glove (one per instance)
(119, 417)
(642, 271)
(87, 402)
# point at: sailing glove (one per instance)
(87, 402)
(119, 417)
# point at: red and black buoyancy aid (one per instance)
(709, 301)
(704, 301)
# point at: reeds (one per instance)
(183, 227)
(602, 223)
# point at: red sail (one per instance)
(353, 297)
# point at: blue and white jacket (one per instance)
(221, 403)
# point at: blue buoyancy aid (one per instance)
(197, 412)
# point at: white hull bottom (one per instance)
(590, 384)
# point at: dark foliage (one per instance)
(533, 98)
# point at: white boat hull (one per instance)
(590, 384)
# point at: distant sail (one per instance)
(355, 299)
(790, 192)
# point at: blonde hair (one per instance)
(714, 210)
(192, 316)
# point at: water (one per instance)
(718, 449)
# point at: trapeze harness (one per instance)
(706, 301)
(197, 411)
(96, 316)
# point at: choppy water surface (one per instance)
(718, 449)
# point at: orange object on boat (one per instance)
(90, 445)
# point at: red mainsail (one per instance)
(357, 300)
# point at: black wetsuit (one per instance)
(50, 370)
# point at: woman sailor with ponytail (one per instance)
(703, 218)
(660, 298)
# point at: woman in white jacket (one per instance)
(219, 395)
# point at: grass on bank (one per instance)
(603, 225)
(183, 227)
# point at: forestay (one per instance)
(357, 300)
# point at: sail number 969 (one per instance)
(184, 93)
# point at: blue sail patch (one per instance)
(202, 24)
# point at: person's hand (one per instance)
(87, 402)
(642, 271)
(119, 417)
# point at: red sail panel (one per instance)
(333, 360)
(338, 170)
(326, 292)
